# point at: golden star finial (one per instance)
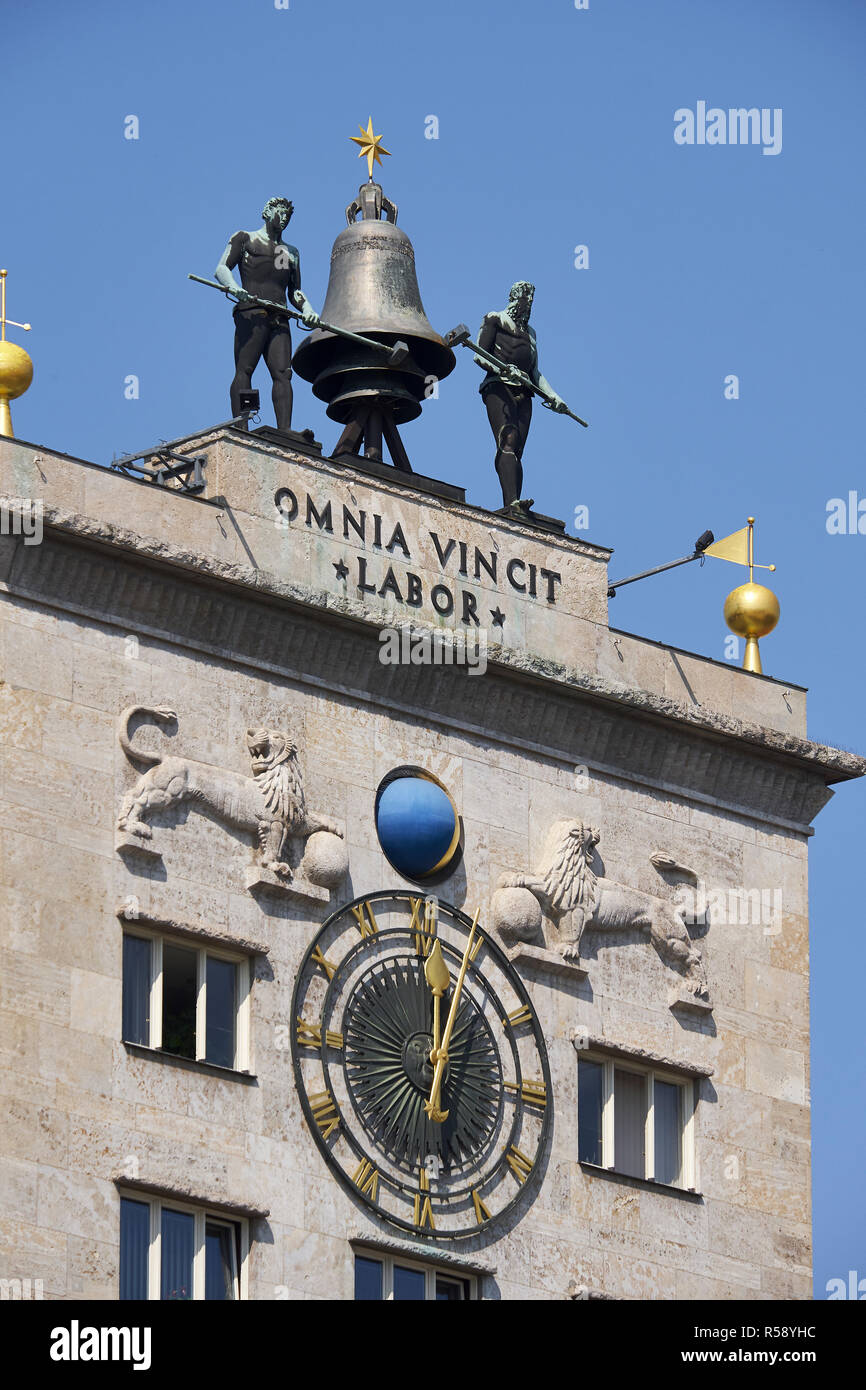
(371, 145)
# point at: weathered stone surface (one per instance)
(294, 887)
(326, 859)
(733, 777)
(775, 1071)
(515, 912)
(139, 596)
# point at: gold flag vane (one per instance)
(751, 610)
(16, 369)
(371, 146)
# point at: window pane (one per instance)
(178, 1238)
(590, 1096)
(218, 1262)
(629, 1113)
(668, 1132)
(134, 1246)
(221, 1011)
(450, 1290)
(368, 1278)
(408, 1283)
(136, 989)
(178, 1000)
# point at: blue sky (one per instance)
(555, 130)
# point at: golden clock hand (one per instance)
(438, 978)
(431, 1106)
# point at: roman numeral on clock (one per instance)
(481, 1212)
(423, 1210)
(423, 1213)
(366, 1178)
(518, 1016)
(363, 915)
(520, 1165)
(325, 1113)
(323, 961)
(310, 1035)
(534, 1092)
(425, 931)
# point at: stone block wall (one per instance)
(81, 1109)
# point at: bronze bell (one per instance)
(373, 290)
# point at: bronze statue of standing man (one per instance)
(506, 335)
(269, 269)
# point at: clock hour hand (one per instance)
(431, 1106)
(438, 978)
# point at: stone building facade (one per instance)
(257, 606)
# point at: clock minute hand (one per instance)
(431, 1106)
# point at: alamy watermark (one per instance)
(77, 1343)
(400, 646)
(757, 907)
(22, 516)
(846, 516)
(854, 1288)
(713, 125)
(21, 1290)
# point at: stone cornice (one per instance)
(263, 582)
(194, 1195)
(199, 931)
(592, 1042)
(241, 614)
(431, 1254)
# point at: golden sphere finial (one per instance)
(752, 611)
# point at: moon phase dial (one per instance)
(420, 1064)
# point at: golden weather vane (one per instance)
(751, 610)
(16, 368)
(371, 146)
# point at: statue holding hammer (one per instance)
(506, 336)
(270, 270)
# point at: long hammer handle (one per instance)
(460, 337)
(398, 353)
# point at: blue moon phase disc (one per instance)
(417, 825)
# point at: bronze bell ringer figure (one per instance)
(506, 335)
(508, 353)
(270, 270)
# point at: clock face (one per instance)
(420, 1063)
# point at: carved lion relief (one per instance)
(575, 899)
(270, 804)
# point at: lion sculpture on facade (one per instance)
(576, 898)
(270, 803)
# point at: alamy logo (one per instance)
(737, 126)
(855, 1288)
(21, 516)
(846, 518)
(21, 1289)
(720, 907)
(401, 647)
(76, 1343)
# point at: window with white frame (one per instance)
(636, 1120)
(186, 999)
(170, 1250)
(394, 1279)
